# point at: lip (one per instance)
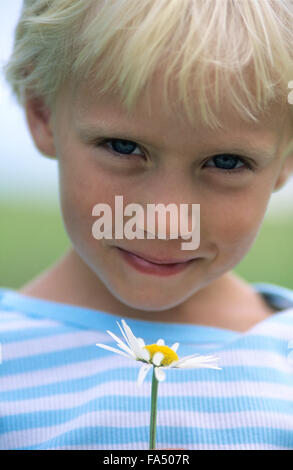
(147, 267)
(158, 260)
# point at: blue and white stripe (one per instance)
(59, 391)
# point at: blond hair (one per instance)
(243, 48)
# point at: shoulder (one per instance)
(3, 292)
(11, 318)
(278, 296)
(16, 317)
(277, 329)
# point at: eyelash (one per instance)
(246, 165)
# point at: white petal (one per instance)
(142, 373)
(113, 349)
(139, 352)
(147, 355)
(141, 342)
(160, 374)
(157, 358)
(161, 342)
(121, 344)
(124, 335)
(185, 358)
(174, 347)
(209, 362)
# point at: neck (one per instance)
(228, 302)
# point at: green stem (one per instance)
(154, 397)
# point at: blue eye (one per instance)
(229, 163)
(121, 146)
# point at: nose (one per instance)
(168, 220)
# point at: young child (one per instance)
(160, 101)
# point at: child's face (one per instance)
(172, 163)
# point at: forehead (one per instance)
(151, 119)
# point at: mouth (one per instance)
(157, 267)
(159, 261)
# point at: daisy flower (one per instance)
(156, 355)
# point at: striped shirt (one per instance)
(58, 390)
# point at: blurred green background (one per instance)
(32, 238)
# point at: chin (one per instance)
(151, 302)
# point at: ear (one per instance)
(39, 120)
(285, 173)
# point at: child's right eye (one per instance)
(119, 146)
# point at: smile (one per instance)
(149, 267)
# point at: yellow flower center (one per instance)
(169, 354)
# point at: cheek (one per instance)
(233, 222)
(75, 196)
(81, 188)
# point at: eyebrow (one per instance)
(90, 133)
(247, 151)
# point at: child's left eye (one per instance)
(229, 163)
